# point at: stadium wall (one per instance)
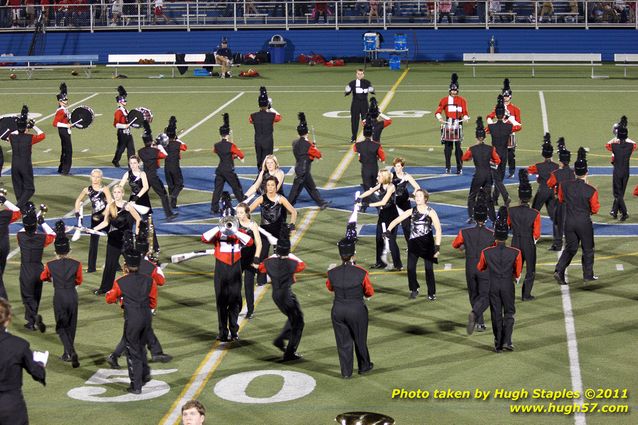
(424, 44)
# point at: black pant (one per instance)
(152, 343)
(175, 182)
(222, 177)
(158, 186)
(350, 324)
(544, 197)
(511, 160)
(94, 243)
(578, 231)
(66, 151)
(31, 289)
(287, 303)
(1, 159)
(263, 149)
(227, 297)
(369, 175)
(124, 142)
(528, 252)
(358, 112)
(304, 180)
(65, 309)
(558, 223)
(249, 288)
(274, 230)
(392, 241)
(619, 186)
(111, 265)
(499, 187)
(479, 181)
(136, 328)
(4, 252)
(13, 409)
(503, 309)
(22, 179)
(458, 154)
(478, 289)
(413, 283)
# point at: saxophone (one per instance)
(153, 254)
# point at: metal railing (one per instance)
(117, 15)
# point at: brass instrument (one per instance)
(228, 225)
(153, 254)
(43, 210)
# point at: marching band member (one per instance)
(621, 148)
(172, 169)
(401, 180)
(32, 246)
(473, 241)
(281, 267)
(379, 120)
(225, 171)
(369, 152)
(100, 197)
(305, 152)
(270, 168)
(61, 120)
(543, 170)
(483, 157)
(264, 121)
(21, 165)
(500, 130)
(359, 88)
(124, 137)
(422, 243)
(151, 154)
(581, 201)
(563, 173)
(513, 115)
(65, 273)
(455, 109)
(525, 223)
(8, 215)
(249, 256)
(118, 217)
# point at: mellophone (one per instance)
(452, 131)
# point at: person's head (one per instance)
(224, 44)
(171, 129)
(193, 413)
(360, 74)
(243, 211)
(262, 100)
(118, 192)
(501, 228)
(454, 85)
(368, 127)
(147, 135)
(271, 163)
(398, 163)
(96, 176)
(134, 163)
(23, 119)
(283, 246)
(421, 196)
(5, 313)
(480, 209)
(271, 185)
(130, 252)
(384, 177)
(61, 244)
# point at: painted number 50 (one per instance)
(152, 389)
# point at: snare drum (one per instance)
(137, 116)
(82, 117)
(451, 132)
(511, 142)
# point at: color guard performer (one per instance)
(473, 241)
(172, 169)
(305, 152)
(543, 170)
(21, 165)
(8, 215)
(401, 180)
(455, 109)
(62, 120)
(100, 197)
(351, 285)
(513, 115)
(281, 267)
(581, 201)
(563, 173)
(503, 265)
(369, 153)
(225, 171)
(65, 273)
(525, 223)
(270, 168)
(621, 148)
(500, 131)
(264, 121)
(359, 88)
(120, 121)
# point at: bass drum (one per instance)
(82, 117)
(7, 126)
(137, 116)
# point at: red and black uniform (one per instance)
(483, 156)
(264, 122)
(370, 153)
(22, 166)
(500, 132)
(621, 154)
(172, 169)
(359, 106)
(227, 278)
(7, 216)
(151, 158)
(62, 122)
(475, 240)
(544, 194)
(503, 265)
(581, 201)
(555, 179)
(66, 274)
(282, 274)
(225, 172)
(377, 128)
(525, 223)
(140, 296)
(98, 207)
(511, 111)
(305, 152)
(31, 250)
(350, 284)
(124, 136)
(454, 108)
(15, 356)
(248, 254)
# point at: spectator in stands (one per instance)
(547, 9)
(29, 6)
(596, 12)
(3, 13)
(322, 9)
(480, 10)
(45, 7)
(224, 57)
(494, 9)
(445, 10)
(61, 12)
(15, 12)
(250, 8)
(158, 12)
(301, 8)
(361, 7)
(130, 8)
(117, 6)
(373, 10)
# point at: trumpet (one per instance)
(228, 225)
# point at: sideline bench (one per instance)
(625, 60)
(32, 63)
(533, 60)
(159, 60)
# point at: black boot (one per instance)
(170, 215)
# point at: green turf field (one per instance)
(414, 344)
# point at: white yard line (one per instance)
(70, 106)
(212, 114)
